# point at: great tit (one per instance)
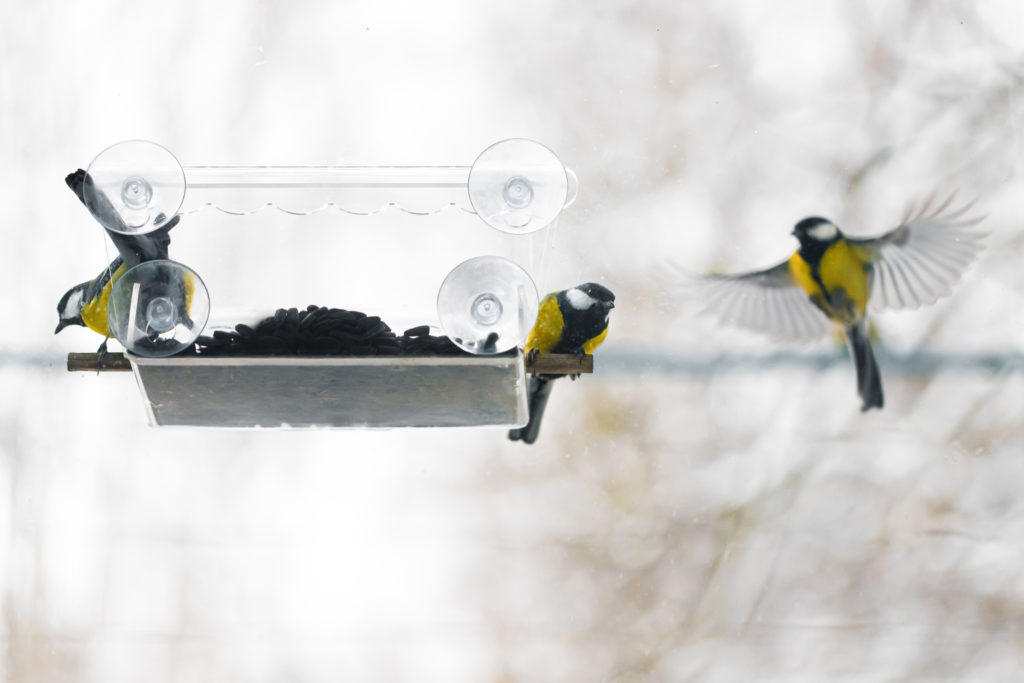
(85, 304)
(831, 279)
(568, 321)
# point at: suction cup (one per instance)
(158, 308)
(487, 305)
(134, 187)
(519, 186)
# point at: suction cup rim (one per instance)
(134, 187)
(520, 186)
(487, 305)
(158, 308)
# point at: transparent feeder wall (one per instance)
(516, 186)
(486, 305)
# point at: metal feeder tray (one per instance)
(298, 392)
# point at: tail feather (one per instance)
(540, 391)
(133, 248)
(869, 380)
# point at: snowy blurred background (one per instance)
(707, 506)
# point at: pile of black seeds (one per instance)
(320, 331)
(417, 341)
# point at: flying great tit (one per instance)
(568, 321)
(832, 278)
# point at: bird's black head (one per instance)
(591, 297)
(816, 232)
(601, 294)
(69, 310)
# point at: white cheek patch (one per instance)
(579, 299)
(73, 305)
(823, 232)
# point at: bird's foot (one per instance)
(580, 355)
(101, 355)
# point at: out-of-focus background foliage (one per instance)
(706, 507)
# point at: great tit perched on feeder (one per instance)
(831, 279)
(571, 321)
(85, 304)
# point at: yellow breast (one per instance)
(589, 346)
(548, 329)
(94, 313)
(844, 273)
(801, 272)
(842, 267)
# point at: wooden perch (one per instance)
(90, 362)
(549, 364)
(561, 364)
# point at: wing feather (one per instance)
(919, 261)
(768, 301)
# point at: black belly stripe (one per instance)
(578, 327)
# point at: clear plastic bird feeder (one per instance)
(517, 186)
(486, 305)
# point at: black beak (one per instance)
(609, 305)
(65, 322)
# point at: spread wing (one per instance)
(919, 262)
(767, 301)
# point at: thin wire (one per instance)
(677, 363)
(665, 362)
